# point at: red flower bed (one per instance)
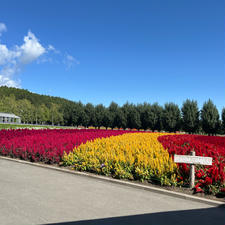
(46, 145)
(209, 179)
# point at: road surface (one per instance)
(34, 195)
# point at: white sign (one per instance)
(193, 159)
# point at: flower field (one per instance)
(209, 179)
(136, 156)
(122, 154)
(46, 145)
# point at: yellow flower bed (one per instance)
(136, 156)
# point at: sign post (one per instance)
(192, 159)
(192, 172)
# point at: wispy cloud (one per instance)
(13, 60)
(2, 28)
(53, 49)
(70, 61)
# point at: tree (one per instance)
(151, 116)
(113, 108)
(210, 118)
(145, 115)
(99, 113)
(190, 116)
(90, 112)
(157, 117)
(56, 116)
(171, 117)
(223, 120)
(41, 114)
(8, 104)
(125, 109)
(107, 118)
(133, 117)
(120, 119)
(26, 111)
(77, 111)
(68, 114)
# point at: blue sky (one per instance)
(110, 50)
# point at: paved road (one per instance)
(33, 195)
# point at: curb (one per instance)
(121, 182)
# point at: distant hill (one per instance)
(35, 99)
(35, 108)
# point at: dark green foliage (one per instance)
(113, 108)
(133, 117)
(210, 118)
(223, 121)
(99, 113)
(190, 116)
(107, 118)
(157, 122)
(145, 115)
(90, 112)
(83, 118)
(120, 119)
(171, 117)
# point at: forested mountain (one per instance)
(32, 107)
(42, 109)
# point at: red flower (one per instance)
(198, 190)
(208, 180)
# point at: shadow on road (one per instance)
(208, 216)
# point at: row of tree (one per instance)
(42, 109)
(150, 116)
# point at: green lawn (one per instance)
(17, 126)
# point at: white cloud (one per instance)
(2, 28)
(12, 60)
(6, 81)
(31, 49)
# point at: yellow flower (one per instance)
(131, 156)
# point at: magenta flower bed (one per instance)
(46, 146)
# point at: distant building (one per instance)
(9, 118)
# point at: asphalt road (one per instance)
(34, 195)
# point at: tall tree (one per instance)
(120, 119)
(99, 113)
(43, 114)
(56, 116)
(26, 111)
(157, 117)
(210, 118)
(125, 109)
(145, 115)
(113, 108)
(107, 118)
(223, 120)
(68, 110)
(190, 116)
(133, 117)
(77, 110)
(171, 117)
(90, 112)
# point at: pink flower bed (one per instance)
(45, 145)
